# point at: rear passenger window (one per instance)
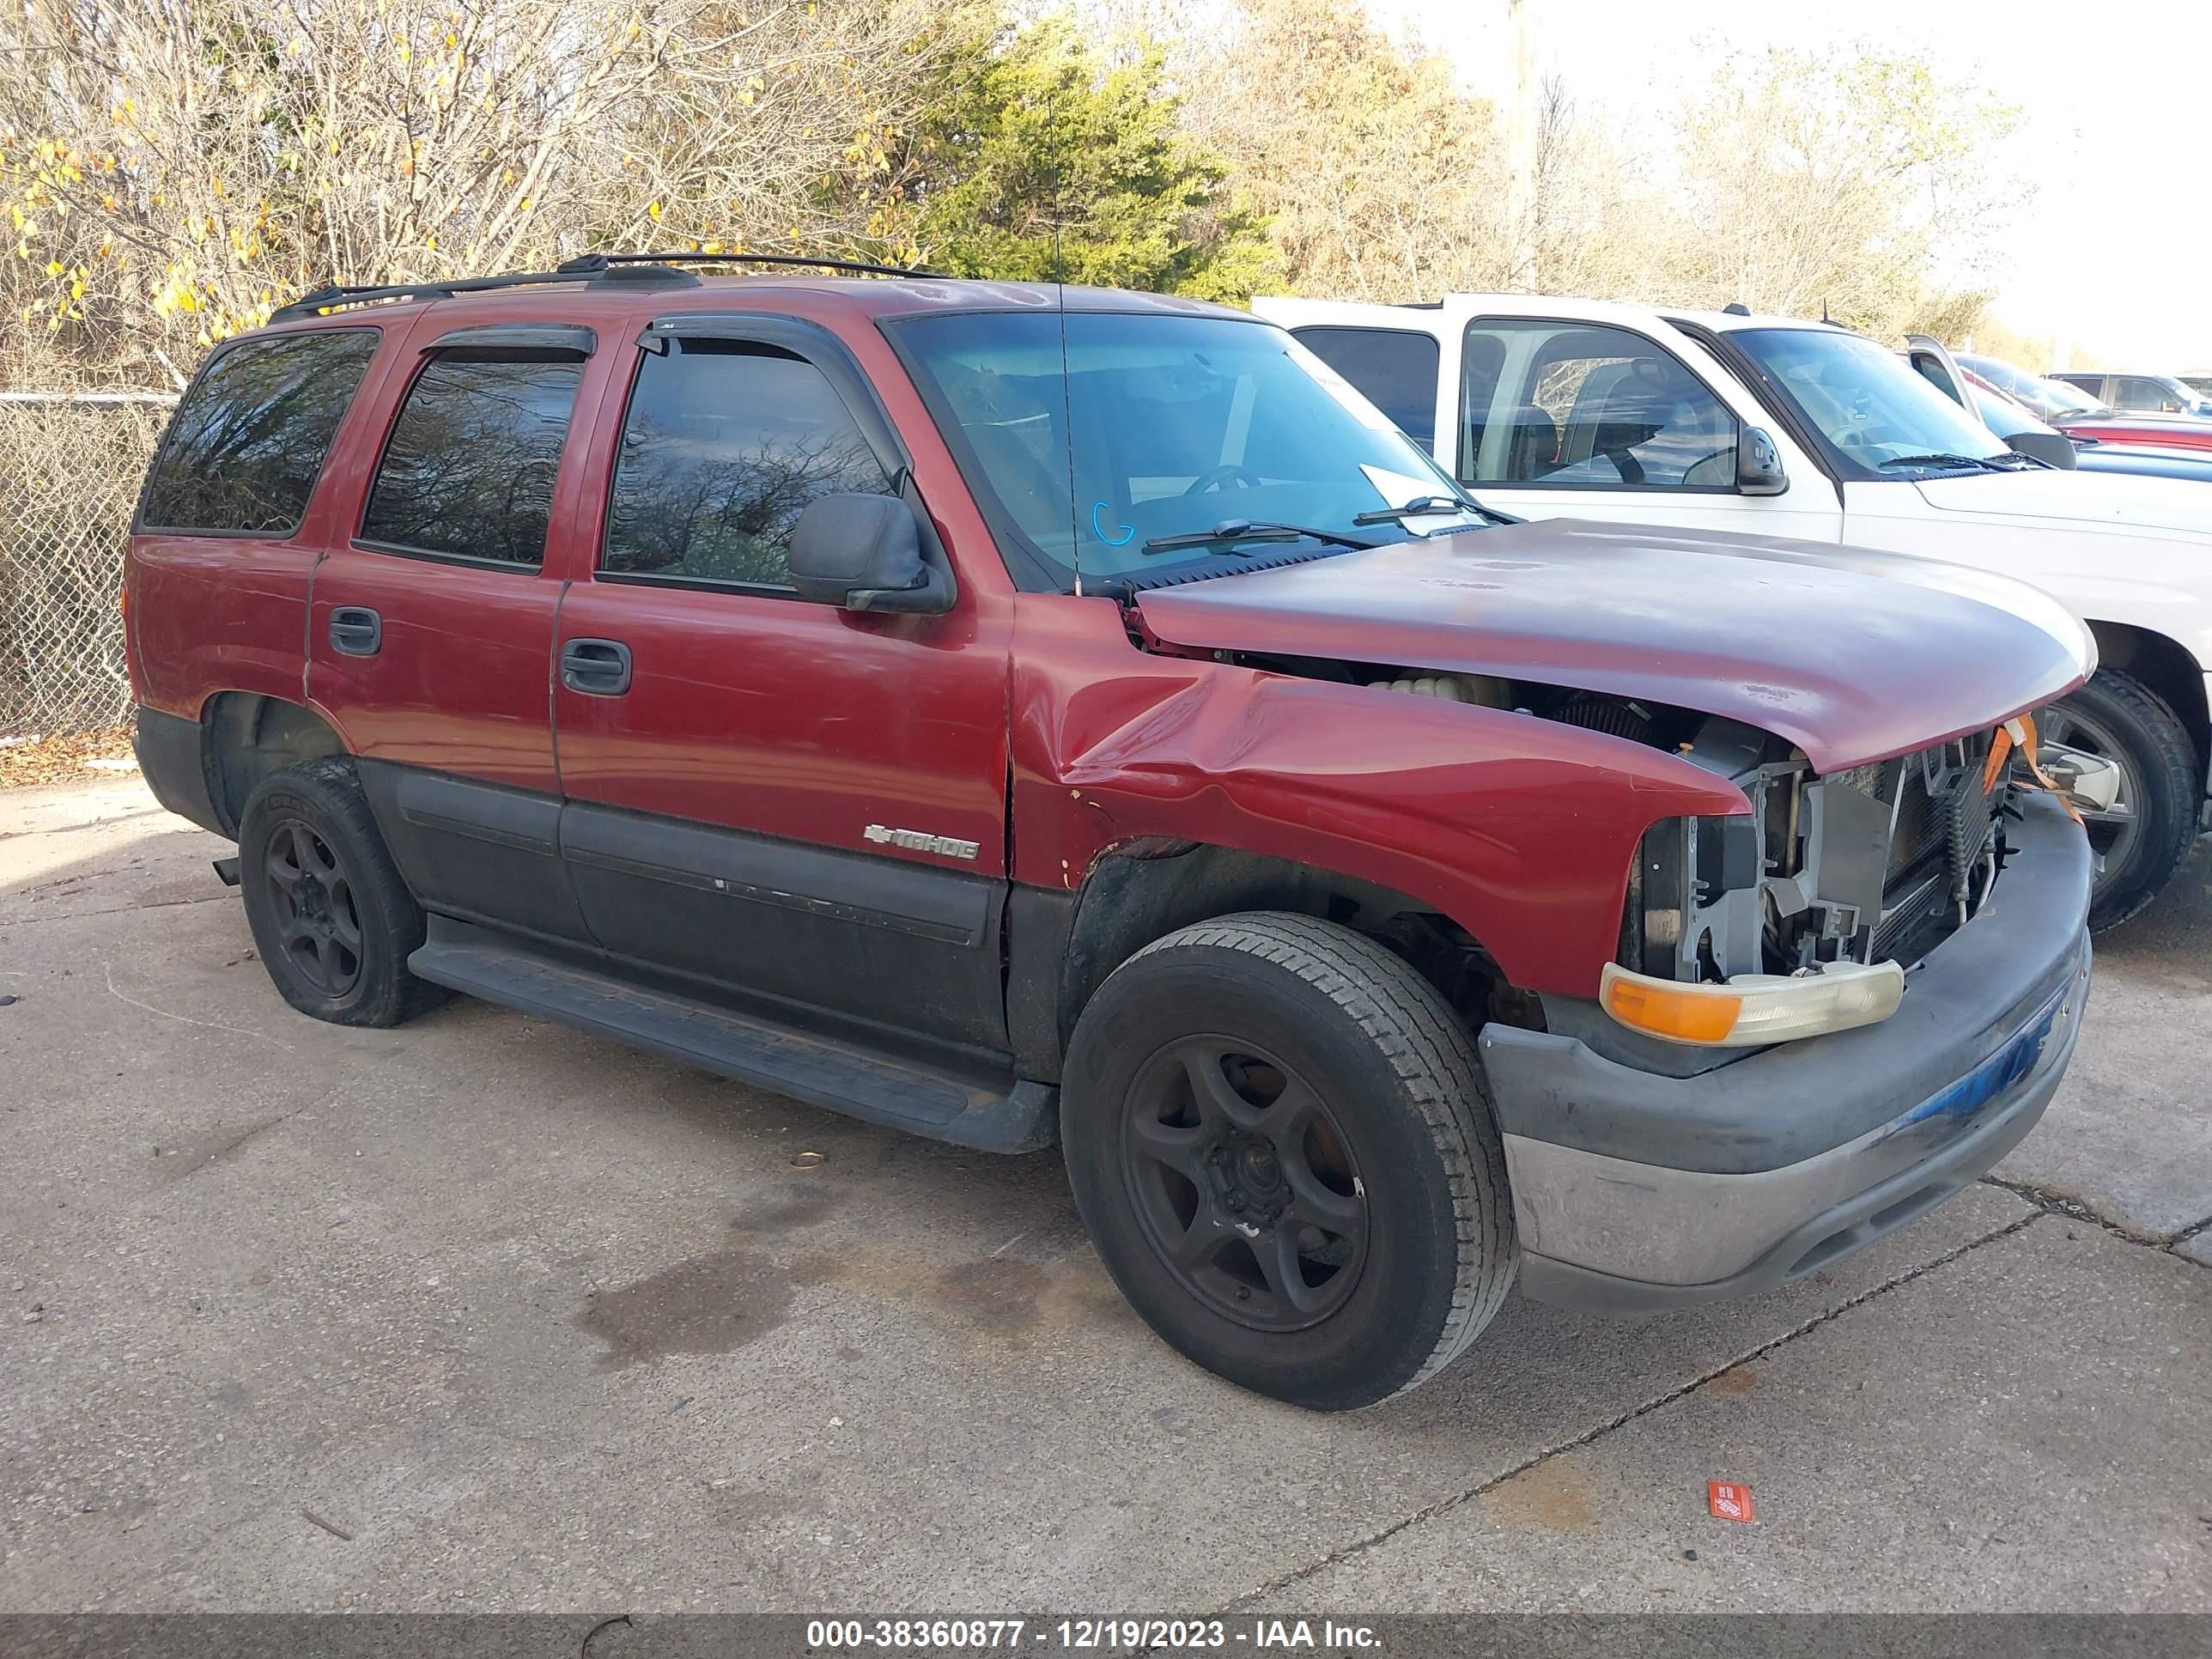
(247, 442)
(2134, 392)
(1393, 368)
(724, 442)
(468, 470)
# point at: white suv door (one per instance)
(1561, 417)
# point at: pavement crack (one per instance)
(1598, 1431)
(2053, 1202)
(2185, 1235)
(114, 910)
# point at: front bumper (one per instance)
(1634, 1193)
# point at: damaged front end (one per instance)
(1876, 864)
(1802, 915)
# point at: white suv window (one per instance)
(2143, 391)
(1580, 407)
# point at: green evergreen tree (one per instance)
(1037, 159)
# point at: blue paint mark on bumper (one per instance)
(2014, 1059)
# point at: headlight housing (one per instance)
(1754, 1009)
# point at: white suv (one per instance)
(1549, 407)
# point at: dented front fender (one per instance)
(1519, 830)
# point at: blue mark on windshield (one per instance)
(1099, 530)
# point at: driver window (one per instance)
(1589, 408)
(724, 442)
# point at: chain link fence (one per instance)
(69, 472)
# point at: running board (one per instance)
(842, 1077)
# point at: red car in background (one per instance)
(2076, 413)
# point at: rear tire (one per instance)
(2117, 716)
(332, 918)
(1278, 1139)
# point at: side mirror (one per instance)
(1759, 464)
(2052, 448)
(864, 553)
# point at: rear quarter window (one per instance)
(1395, 369)
(248, 441)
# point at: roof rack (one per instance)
(594, 263)
(612, 270)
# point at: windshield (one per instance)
(2052, 399)
(2001, 414)
(2002, 375)
(1869, 407)
(1178, 426)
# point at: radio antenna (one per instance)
(1066, 394)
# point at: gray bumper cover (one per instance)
(1635, 1194)
(172, 762)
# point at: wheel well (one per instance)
(1145, 891)
(247, 737)
(2166, 666)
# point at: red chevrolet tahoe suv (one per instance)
(1014, 715)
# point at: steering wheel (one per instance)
(1867, 437)
(1243, 476)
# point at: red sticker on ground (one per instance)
(1728, 1500)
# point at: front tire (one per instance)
(332, 918)
(1278, 1142)
(2147, 835)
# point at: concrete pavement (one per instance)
(483, 1314)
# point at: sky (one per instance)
(2113, 254)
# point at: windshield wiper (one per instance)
(1979, 463)
(1424, 506)
(1244, 530)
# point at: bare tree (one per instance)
(1847, 182)
(173, 167)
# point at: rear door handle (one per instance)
(598, 668)
(356, 630)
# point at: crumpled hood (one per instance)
(1852, 655)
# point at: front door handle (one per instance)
(598, 668)
(356, 630)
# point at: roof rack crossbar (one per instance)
(324, 299)
(587, 263)
(613, 267)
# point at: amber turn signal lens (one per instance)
(1681, 1016)
(1752, 1009)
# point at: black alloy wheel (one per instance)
(1245, 1183)
(332, 915)
(310, 896)
(1279, 1140)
